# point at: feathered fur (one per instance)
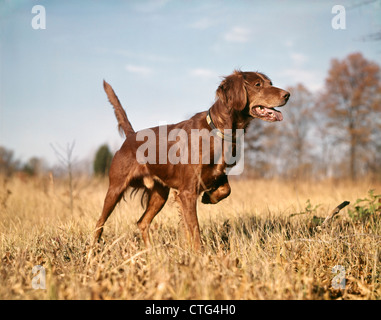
(124, 125)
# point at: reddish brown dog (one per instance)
(241, 97)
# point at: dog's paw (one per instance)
(208, 198)
(205, 198)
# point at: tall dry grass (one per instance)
(253, 245)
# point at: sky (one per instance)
(164, 59)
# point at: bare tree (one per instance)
(374, 36)
(296, 131)
(261, 149)
(351, 103)
(65, 157)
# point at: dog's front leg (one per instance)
(188, 201)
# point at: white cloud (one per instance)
(203, 73)
(297, 72)
(298, 59)
(150, 5)
(289, 43)
(238, 34)
(142, 70)
(137, 55)
(310, 79)
(202, 24)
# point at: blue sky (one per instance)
(164, 59)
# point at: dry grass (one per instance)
(253, 249)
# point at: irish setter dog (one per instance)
(164, 162)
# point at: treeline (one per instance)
(67, 164)
(333, 133)
(10, 165)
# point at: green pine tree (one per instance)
(102, 160)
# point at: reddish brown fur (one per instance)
(236, 96)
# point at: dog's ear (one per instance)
(232, 91)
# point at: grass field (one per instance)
(255, 246)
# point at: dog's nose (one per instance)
(286, 95)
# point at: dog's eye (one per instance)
(258, 84)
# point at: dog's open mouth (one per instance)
(267, 114)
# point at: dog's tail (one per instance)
(124, 125)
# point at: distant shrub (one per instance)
(102, 161)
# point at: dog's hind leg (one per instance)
(122, 172)
(157, 197)
(113, 196)
(119, 181)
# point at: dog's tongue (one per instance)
(268, 114)
(278, 115)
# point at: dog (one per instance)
(240, 98)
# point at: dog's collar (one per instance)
(218, 132)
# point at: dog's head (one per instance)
(252, 93)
